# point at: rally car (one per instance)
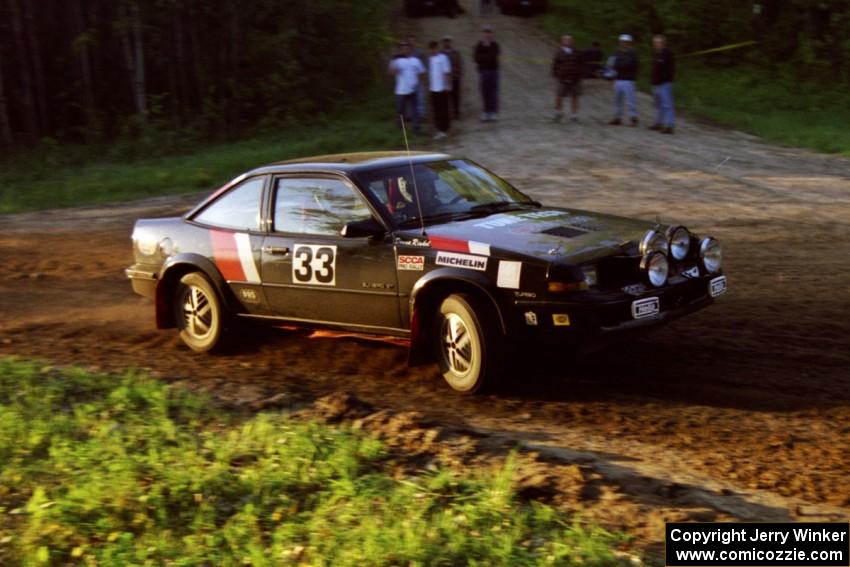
(424, 246)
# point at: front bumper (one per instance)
(592, 319)
(143, 279)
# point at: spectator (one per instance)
(440, 84)
(420, 92)
(662, 86)
(487, 60)
(593, 61)
(626, 67)
(485, 8)
(406, 69)
(457, 74)
(567, 69)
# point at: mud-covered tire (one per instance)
(467, 340)
(199, 314)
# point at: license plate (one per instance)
(717, 286)
(646, 307)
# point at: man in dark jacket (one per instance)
(487, 59)
(626, 68)
(594, 59)
(457, 74)
(663, 67)
(567, 69)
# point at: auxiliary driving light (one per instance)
(679, 239)
(653, 241)
(656, 267)
(710, 255)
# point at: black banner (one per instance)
(811, 544)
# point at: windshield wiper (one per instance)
(428, 219)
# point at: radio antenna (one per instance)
(413, 175)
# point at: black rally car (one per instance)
(426, 246)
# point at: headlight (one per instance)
(653, 241)
(589, 275)
(710, 254)
(656, 267)
(680, 242)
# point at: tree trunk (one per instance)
(28, 98)
(134, 56)
(139, 48)
(5, 126)
(37, 68)
(81, 47)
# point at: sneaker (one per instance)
(558, 116)
(440, 135)
(574, 118)
(615, 122)
(667, 130)
(656, 127)
(494, 117)
(485, 117)
(634, 121)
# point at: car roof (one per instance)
(350, 162)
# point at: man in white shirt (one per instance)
(440, 85)
(406, 69)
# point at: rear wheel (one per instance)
(466, 340)
(198, 313)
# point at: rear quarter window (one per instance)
(238, 209)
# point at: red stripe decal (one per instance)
(226, 255)
(449, 244)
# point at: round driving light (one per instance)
(680, 242)
(656, 267)
(711, 255)
(653, 241)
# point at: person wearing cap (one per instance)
(406, 69)
(662, 86)
(440, 84)
(487, 60)
(457, 74)
(626, 68)
(568, 70)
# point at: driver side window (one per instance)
(319, 206)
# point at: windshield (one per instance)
(447, 190)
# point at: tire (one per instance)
(198, 313)
(467, 341)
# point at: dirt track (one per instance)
(740, 411)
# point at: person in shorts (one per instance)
(568, 69)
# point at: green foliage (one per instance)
(61, 175)
(120, 470)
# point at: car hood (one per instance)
(548, 233)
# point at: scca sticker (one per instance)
(415, 263)
(462, 261)
(314, 264)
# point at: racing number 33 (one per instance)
(314, 264)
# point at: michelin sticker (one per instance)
(414, 263)
(462, 261)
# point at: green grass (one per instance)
(125, 470)
(761, 100)
(61, 176)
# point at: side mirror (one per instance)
(363, 228)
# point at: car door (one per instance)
(313, 274)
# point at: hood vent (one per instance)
(564, 231)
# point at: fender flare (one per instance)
(172, 270)
(439, 283)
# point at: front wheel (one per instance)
(198, 313)
(466, 339)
